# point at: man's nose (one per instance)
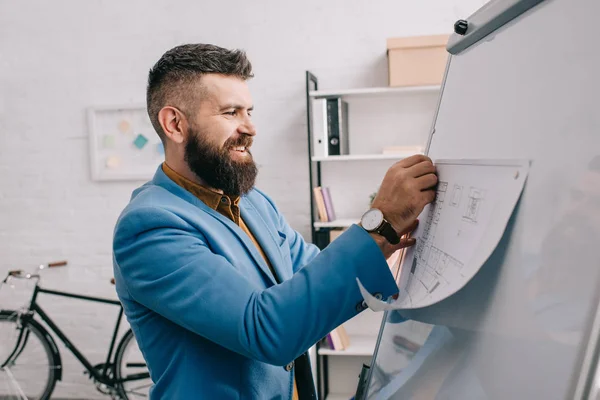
(247, 127)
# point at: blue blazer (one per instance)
(208, 315)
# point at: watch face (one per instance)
(372, 219)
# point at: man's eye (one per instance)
(232, 113)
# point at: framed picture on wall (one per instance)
(123, 143)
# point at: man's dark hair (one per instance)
(171, 81)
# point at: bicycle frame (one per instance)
(100, 376)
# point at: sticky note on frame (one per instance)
(113, 162)
(140, 141)
(108, 142)
(124, 126)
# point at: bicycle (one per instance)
(30, 361)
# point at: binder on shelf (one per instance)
(337, 127)
(319, 127)
(329, 127)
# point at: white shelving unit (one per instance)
(374, 91)
(364, 157)
(385, 125)
(359, 346)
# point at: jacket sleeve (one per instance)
(167, 267)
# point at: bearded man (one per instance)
(223, 296)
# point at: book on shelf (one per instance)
(328, 203)
(338, 339)
(324, 204)
(320, 204)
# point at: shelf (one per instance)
(359, 346)
(364, 157)
(374, 91)
(338, 223)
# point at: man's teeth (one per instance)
(240, 148)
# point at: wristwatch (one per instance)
(373, 221)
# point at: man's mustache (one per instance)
(245, 141)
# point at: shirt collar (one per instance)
(208, 196)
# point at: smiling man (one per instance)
(221, 293)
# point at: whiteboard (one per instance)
(521, 328)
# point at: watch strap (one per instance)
(388, 232)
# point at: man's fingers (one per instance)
(422, 168)
(406, 242)
(426, 181)
(412, 160)
(428, 196)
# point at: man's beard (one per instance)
(216, 168)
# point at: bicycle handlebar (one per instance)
(57, 264)
(20, 274)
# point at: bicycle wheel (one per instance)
(29, 366)
(131, 370)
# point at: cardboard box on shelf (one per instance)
(335, 233)
(417, 60)
(402, 150)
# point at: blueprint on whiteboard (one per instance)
(457, 232)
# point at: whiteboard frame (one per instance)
(492, 16)
(367, 382)
(584, 379)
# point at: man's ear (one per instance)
(173, 123)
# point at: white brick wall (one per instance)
(59, 57)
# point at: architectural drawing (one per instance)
(456, 195)
(458, 231)
(433, 261)
(476, 196)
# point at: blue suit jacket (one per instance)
(208, 315)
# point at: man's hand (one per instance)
(388, 249)
(408, 186)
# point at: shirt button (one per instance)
(289, 367)
(378, 296)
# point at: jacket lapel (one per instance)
(246, 241)
(161, 179)
(265, 237)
